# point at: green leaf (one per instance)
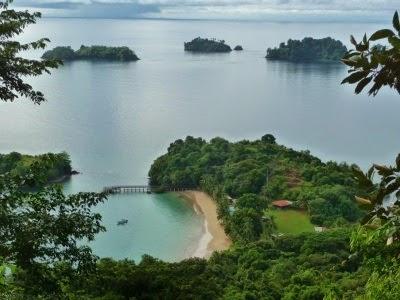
(370, 172)
(351, 54)
(379, 197)
(374, 61)
(381, 34)
(365, 40)
(362, 47)
(353, 40)
(355, 77)
(383, 170)
(398, 161)
(362, 84)
(350, 62)
(364, 180)
(396, 21)
(395, 42)
(394, 186)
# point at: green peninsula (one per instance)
(308, 50)
(91, 53)
(265, 170)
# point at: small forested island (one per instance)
(91, 53)
(238, 48)
(308, 50)
(52, 166)
(207, 46)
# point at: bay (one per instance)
(114, 119)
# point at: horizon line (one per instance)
(312, 20)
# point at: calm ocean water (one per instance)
(116, 118)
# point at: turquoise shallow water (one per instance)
(116, 118)
(163, 226)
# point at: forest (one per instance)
(91, 53)
(264, 171)
(308, 50)
(340, 263)
(206, 46)
(308, 266)
(56, 165)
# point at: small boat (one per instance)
(122, 222)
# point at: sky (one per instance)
(270, 10)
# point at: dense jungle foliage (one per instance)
(91, 53)
(309, 50)
(336, 264)
(309, 266)
(262, 170)
(17, 164)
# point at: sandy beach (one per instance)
(214, 237)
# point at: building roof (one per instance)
(319, 229)
(282, 203)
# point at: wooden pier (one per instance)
(120, 189)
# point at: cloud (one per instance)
(217, 8)
(53, 5)
(98, 9)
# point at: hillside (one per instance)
(264, 170)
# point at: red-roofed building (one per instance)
(282, 203)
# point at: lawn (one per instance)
(291, 221)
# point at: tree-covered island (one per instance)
(207, 46)
(53, 166)
(308, 50)
(91, 53)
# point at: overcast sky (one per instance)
(280, 10)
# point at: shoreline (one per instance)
(65, 177)
(214, 237)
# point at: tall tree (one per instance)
(14, 68)
(42, 228)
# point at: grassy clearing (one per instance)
(291, 221)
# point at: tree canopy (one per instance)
(308, 266)
(263, 168)
(91, 53)
(17, 164)
(308, 50)
(41, 228)
(207, 45)
(13, 67)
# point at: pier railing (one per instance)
(119, 189)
